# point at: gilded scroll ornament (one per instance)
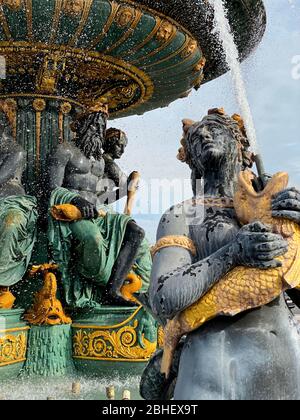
(125, 16)
(73, 7)
(114, 345)
(12, 349)
(174, 241)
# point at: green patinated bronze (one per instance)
(18, 218)
(13, 343)
(97, 341)
(58, 63)
(85, 279)
(49, 352)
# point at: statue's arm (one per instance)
(57, 166)
(11, 163)
(177, 281)
(115, 173)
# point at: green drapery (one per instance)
(18, 220)
(86, 251)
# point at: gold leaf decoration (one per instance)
(12, 349)
(114, 345)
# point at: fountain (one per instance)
(66, 58)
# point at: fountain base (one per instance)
(109, 339)
(49, 351)
(13, 343)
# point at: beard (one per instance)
(90, 144)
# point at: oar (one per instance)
(131, 194)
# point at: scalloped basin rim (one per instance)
(248, 24)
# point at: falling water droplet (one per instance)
(223, 30)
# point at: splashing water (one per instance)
(60, 388)
(223, 30)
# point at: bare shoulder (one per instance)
(64, 151)
(176, 220)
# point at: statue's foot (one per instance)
(7, 299)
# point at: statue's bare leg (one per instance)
(133, 239)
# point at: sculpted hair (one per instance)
(87, 139)
(113, 135)
(234, 124)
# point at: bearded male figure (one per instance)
(254, 355)
(95, 253)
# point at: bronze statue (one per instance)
(105, 248)
(253, 355)
(18, 216)
(114, 147)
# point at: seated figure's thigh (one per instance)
(90, 248)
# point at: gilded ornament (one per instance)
(12, 349)
(47, 309)
(118, 344)
(125, 16)
(190, 48)
(9, 107)
(165, 31)
(7, 299)
(12, 4)
(52, 68)
(174, 241)
(39, 105)
(73, 7)
(200, 65)
(243, 288)
(66, 108)
(133, 284)
(90, 69)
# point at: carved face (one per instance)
(190, 49)
(125, 17)
(117, 145)
(210, 144)
(165, 31)
(74, 7)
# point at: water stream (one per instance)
(223, 31)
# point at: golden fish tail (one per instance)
(189, 320)
(173, 334)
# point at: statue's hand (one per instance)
(286, 205)
(256, 246)
(87, 209)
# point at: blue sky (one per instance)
(273, 86)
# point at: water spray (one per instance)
(223, 31)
